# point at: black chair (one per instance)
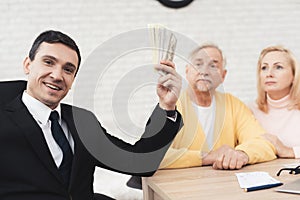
(10, 90)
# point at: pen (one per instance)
(262, 187)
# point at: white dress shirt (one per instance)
(40, 112)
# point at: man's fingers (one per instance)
(169, 85)
(226, 161)
(230, 159)
(166, 67)
(169, 78)
(219, 162)
(239, 164)
(233, 164)
(168, 63)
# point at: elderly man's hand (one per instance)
(226, 158)
(169, 85)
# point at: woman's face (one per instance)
(276, 74)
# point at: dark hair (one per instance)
(51, 37)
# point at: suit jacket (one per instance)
(28, 171)
(10, 89)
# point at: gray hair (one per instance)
(208, 45)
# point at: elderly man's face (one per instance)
(206, 72)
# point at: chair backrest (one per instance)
(10, 90)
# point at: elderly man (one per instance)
(219, 129)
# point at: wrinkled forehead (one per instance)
(207, 54)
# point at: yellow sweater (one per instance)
(234, 126)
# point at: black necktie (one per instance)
(61, 140)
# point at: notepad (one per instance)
(251, 181)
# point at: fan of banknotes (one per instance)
(163, 42)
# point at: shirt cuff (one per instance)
(172, 115)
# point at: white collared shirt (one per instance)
(40, 112)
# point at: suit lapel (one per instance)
(18, 113)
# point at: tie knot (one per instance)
(54, 116)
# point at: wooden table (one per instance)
(207, 183)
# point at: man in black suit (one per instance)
(34, 163)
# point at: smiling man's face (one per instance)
(51, 73)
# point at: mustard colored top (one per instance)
(234, 126)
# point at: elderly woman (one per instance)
(277, 107)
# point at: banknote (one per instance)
(163, 42)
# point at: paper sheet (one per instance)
(253, 179)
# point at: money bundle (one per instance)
(163, 42)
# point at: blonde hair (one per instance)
(295, 89)
(208, 45)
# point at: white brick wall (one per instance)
(240, 28)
